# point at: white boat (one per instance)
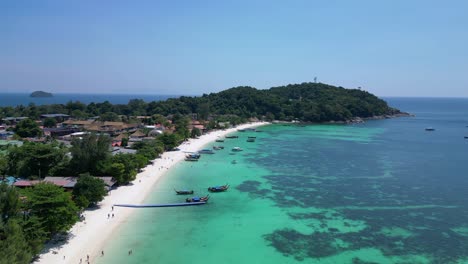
(237, 149)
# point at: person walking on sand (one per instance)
(102, 253)
(108, 215)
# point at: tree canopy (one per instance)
(27, 128)
(314, 102)
(89, 190)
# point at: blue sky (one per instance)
(390, 48)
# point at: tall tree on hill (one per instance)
(88, 154)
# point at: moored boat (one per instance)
(197, 199)
(219, 140)
(251, 140)
(206, 151)
(221, 188)
(183, 192)
(236, 149)
(192, 157)
(232, 136)
(218, 147)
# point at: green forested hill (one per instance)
(309, 102)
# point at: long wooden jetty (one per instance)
(159, 205)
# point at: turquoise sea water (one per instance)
(386, 191)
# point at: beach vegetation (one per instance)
(14, 247)
(195, 133)
(117, 170)
(88, 191)
(36, 160)
(88, 154)
(53, 207)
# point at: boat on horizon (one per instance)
(430, 129)
(220, 188)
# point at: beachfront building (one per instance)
(107, 127)
(56, 132)
(197, 124)
(58, 117)
(13, 120)
(68, 183)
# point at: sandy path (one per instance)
(89, 236)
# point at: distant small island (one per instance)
(40, 94)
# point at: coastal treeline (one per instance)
(308, 102)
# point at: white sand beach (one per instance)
(88, 237)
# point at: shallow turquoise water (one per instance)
(382, 192)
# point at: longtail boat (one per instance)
(221, 188)
(197, 199)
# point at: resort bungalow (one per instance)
(77, 123)
(111, 128)
(137, 135)
(58, 117)
(59, 131)
(13, 120)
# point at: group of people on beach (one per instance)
(130, 252)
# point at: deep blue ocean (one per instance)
(14, 99)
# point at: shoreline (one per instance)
(88, 237)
